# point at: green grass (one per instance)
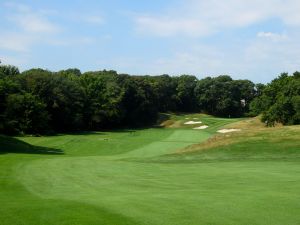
(147, 177)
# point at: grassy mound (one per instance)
(254, 142)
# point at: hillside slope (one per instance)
(253, 141)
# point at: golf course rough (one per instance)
(147, 176)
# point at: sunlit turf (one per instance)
(154, 176)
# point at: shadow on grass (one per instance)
(96, 132)
(14, 145)
(161, 118)
(63, 133)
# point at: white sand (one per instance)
(192, 122)
(201, 127)
(224, 131)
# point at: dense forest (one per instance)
(39, 101)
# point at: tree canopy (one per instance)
(279, 101)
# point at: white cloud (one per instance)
(91, 18)
(71, 42)
(34, 23)
(95, 19)
(31, 27)
(16, 42)
(200, 18)
(203, 61)
(272, 36)
(31, 21)
(17, 6)
(271, 56)
(27, 28)
(19, 59)
(167, 26)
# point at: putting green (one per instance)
(124, 177)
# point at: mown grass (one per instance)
(155, 176)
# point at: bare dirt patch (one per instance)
(224, 131)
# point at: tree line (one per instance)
(39, 101)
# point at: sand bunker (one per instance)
(192, 122)
(201, 127)
(223, 131)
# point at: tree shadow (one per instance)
(14, 145)
(80, 132)
(162, 117)
(100, 132)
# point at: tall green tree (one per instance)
(186, 100)
(279, 101)
(63, 97)
(25, 113)
(8, 70)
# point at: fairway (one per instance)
(172, 175)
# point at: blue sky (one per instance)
(247, 39)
